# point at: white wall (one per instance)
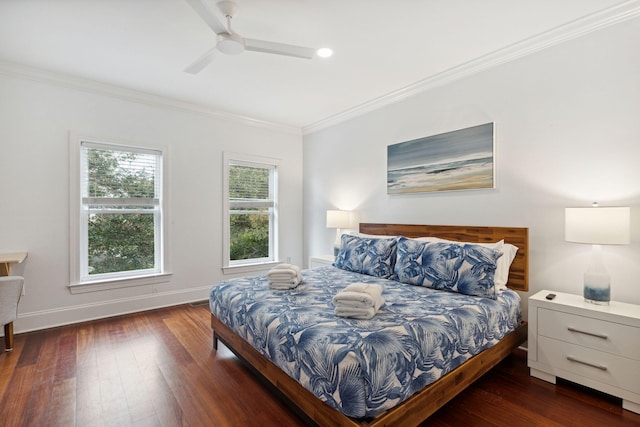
(567, 123)
(35, 120)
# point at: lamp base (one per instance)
(337, 243)
(591, 301)
(597, 289)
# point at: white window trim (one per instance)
(76, 284)
(249, 266)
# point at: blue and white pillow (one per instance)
(372, 256)
(503, 264)
(464, 268)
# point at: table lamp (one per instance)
(338, 219)
(598, 226)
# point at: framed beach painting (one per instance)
(458, 160)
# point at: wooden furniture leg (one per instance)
(8, 336)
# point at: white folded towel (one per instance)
(281, 286)
(278, 276)
(285, 272)
(359, 301)
(356, 313)
(285, 266)
(372, 289)
(284, 276)
(354, 299)
(360, 295)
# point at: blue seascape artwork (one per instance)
(457, 160)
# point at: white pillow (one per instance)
(503, 264)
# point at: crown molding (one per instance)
(571, 30)
(86, 85)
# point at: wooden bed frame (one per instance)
(424, 403)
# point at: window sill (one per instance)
(250, 268)
(105, 285)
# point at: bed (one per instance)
(329, 367)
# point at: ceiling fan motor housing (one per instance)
(230, 44)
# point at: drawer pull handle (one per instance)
(604, 337)
(593, 365)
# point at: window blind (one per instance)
(120, 176)
(249, 188)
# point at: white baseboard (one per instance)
(44, 319)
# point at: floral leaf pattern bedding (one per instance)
(362, 367)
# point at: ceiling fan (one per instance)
(232, 43)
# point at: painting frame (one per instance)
(462, 159)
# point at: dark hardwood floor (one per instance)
(158, 368)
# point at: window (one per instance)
(117, 213)
(250, 210)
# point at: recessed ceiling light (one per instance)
(324, 52)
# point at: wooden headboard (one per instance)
(519, 273)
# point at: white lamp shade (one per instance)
(598, 225)
(338, 219)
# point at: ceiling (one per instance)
(381, 48)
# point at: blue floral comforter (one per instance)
(362, 367)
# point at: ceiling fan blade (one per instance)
(279, 48)
(202, 62)
(202, 8)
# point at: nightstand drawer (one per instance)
(591, 364)
(596, 334)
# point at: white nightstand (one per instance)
(594, 345)
(321, 260)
